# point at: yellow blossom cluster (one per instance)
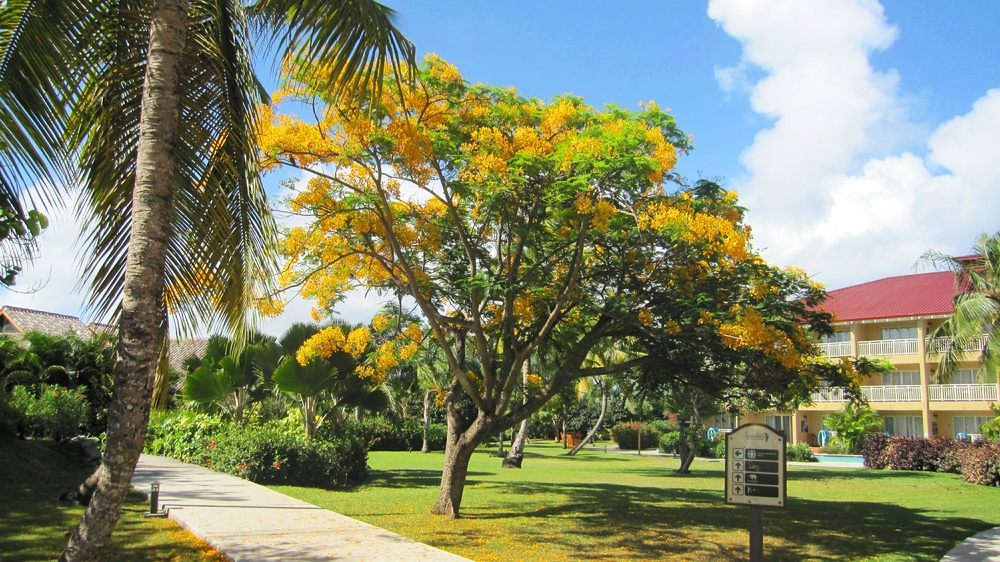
(645, 317)
(750, 332)
(719, 234)
(331, 340)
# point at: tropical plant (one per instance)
(977, 307)
(173, 205)
(853, 424)
(227, 377)
(330, 381)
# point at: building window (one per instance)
(901, 378)
(968, 424)
(903, 426)
(780, 423)
(964, 376)
(725, 421)
(837, 337)
(899, 333)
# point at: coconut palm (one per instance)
(154, 102)
(977, 307)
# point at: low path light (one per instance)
(154, 501)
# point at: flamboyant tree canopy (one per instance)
(516, 223)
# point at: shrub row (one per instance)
(382, 433)
(978, 463)
(56, 413)
(272, 453)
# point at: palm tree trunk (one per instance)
(143, 315)
(597, 426)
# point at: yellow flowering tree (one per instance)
(512, 223)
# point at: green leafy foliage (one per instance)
(800, 452)
(387, 433)
(852, 424)
(56, 413)
(274, 452)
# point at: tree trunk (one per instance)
(457, 455)
(427, 421)
(564, 425)
(516, 455)
(690, 450)
(597, 426)
(638, 438)
(143, 314)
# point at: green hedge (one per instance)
(272, 453)
(382, 433)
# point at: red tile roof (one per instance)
(924, 294)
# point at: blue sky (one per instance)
(858, 133)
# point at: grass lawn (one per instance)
(33, 523)
(610, 506)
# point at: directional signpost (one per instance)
(755, 476)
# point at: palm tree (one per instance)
(977, 307)
(156, 99)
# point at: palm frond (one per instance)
(38, 77)
(351, 41)
(223, 236)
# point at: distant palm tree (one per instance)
(156, 99)
(977, 307)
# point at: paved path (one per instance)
(246, 521)
(979, 548)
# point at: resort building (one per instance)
(893, 319)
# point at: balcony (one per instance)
(882, 348)
(963, 392)
(911, 393)
(888, 348)
(886, 393)
(941, 345)
(836, 349)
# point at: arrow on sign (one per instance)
(737, 478)
(737, 465)
(738, 453)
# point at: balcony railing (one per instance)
(836, 349)
(940, 345)
(876, 348)
(888, 347)
(887, 393)
(963, 392)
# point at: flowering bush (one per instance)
(626, 434)
(272, 453)
(57, 413)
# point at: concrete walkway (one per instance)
(246, 521)
(979, 548)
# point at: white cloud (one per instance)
(824, 188)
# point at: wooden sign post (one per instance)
(755, 476)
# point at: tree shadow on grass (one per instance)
(650, 522)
